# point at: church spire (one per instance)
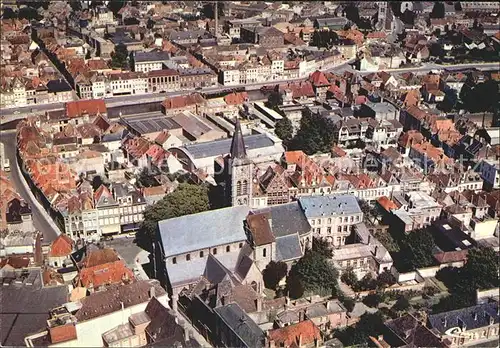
(238, 145)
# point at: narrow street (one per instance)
(42, 221)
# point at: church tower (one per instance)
(239, 171)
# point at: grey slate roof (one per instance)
(24, 309)
(153, 56)
(241, 324)
(203, 230)
(223, 147)
(473, 317)
(288, 248)
(315, 206)
(287, 219)
(186, 272)
(237, 144)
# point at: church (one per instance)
(235, 173)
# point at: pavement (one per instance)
(41, 219)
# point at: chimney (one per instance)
(258, 304)
(152, 292)
(186, 333)
(369, 239)
(445, 321)
(301, 317)
(300, 340)
(475, 316)
(287, 302)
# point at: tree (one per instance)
(315, 134)
(29, 13)
(294, 286)
(437, 10)
(408, 17)
(119, 57)
(274, 99)
(366, 283)
(76, 5)
(146, 179)
(97, 182)
(186, 199)
(347, 302)
(316, 273)
(352, 13)
(208, 10)
(402, 304)
(8, 13)
(322, 247)
(116, 5)
(284, 129)
(416, 249)
(385, 279)
(480, 272)
(273, 273)
(349, 277)
(370, 324)
(150, 24)
(131, 21)
(458, 6)
(372, 300)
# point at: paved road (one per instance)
(40, 216)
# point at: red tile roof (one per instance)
(183, 101)
(258, 225)
(99, 257)
(451, 256)
(386, 203)
(300, 334)
(236, 98)
(107, 273)
(299, 89)
(61, 246)
(62, 333)
(92, 107)
(318, 79)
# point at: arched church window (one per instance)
(245, 187)
(238, 188)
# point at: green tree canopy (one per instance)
(349, 277)
(416, 249)
(315, 134)
(116, 5)
(273, 273)
(322, 247)
(385, 279)
(437, 10)
(186, 199)
(119, 57)
(294, 286)
(372, 300)
(370, 324)
(316, 273)
(480, 272)
(402, 304)
(284, 129)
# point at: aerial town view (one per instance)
(249, 174)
